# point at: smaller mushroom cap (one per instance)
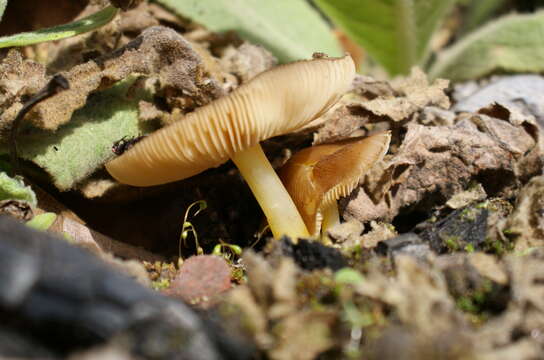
(319, 175)
(273, 103)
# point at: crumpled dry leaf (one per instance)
(525, 226)
(378, 102)
(303, 336)
(247, 60)
(422, 297)
(413, 93)
(473, 194)
(158, 52)
(513, 98)
(348, 234)
(18, 78)
(20, 210)
(524, 316)
(434, 163)
(268, 305)
(489, 267)
(418, 294)
(65, 54)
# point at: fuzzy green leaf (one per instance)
(15, 189)
(42, 222)
(478, 12)
(395, 33)
(89, 23)
(3, 4)
(512, 43)
(291, 29)
(82, 146)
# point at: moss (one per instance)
(160, 284)
(469, 214)
(498, 247)
(469, 248)
(475, 302)
(452, 242)
(238, 274)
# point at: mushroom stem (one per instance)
(278, 207)
(331, 217)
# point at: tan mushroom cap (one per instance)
(320, 175)
(273, 103)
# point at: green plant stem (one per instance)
(278, 207)
(89, 23)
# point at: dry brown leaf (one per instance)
(159, 52)
(269, 305)
(378, 232)
(524, 316)
(473, 194)
(418, 294)
(303, 336)
(246, 60)
(434, 163)
(526, 223)
(489, 267)
(375, 102)
(413, 93)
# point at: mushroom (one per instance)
(273, 103)
(318, 176)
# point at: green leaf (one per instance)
(15, 189)
(290, 29)
(348, 276)
(513, 43)
(3, 4)
(478, 12)
(43, 221)
(395, 33)
(82, 146)
(89, 23)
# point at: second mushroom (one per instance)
(318, 176)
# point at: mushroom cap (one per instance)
(273, 103)
(319, 175)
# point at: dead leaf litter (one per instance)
(441, 250)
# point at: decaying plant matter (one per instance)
(438, 253)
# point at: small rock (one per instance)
(406, 244)
(200, 279)
(398, 243)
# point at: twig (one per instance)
(57, 84)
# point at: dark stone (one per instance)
(63, 299)
(406, 244)
(387, 247)
(312, 255)
(457, 230)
